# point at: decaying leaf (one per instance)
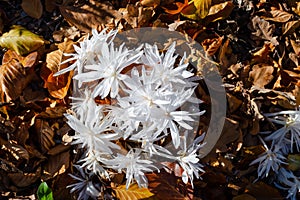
(45, 135)
(294, 162)
(133, 192)
(21, 40)
(261, 190)
(33, 8)
(262, 30)
(211, 46)
(16, 73)
(290, 27)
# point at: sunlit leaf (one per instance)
(278, 16)
(17, 151)
(14, 76)
(219, 11)
(21, 40)
(33, 8)
(133, 192)
(202, 7)
(44, 192)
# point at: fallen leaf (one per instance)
(262, 30)
(150, 3)
(21, 40)
(261, 190)
(17, 151)
(211, 46)
(89, 15)
(293, 162)
(180, 6)
(261, 75)
(133, 192)
(56, 165)
(203, 7)
(278, 16)
(57, 86)
(33, 8)
(296, 47)
(24, 179)
(50, 5)
(44, 135)
(290, 27)
(219, 11)
(14, 77)
(226, 57)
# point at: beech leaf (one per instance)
(44, 134)
(202, 7)
(33, 8)
(14, 77)
(21, 40)
(133, 192)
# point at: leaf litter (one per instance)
(254, 43)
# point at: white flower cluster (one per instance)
(148, 94)
(284, 141)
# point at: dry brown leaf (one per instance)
(24, 179)
(14, 76)
(233, 102)
(290, 27)
(261, 190)
(262, 30)
(296, 93)
(57, 86)
(150, 3)
(226, 57)
(44, 135)
(261, 75)
(278, 16)
(17, 151)
(262, 55)
(219, 11)
(296, 46)
(33, 8)
(56, 165)
(90, 15)
(50, 5)
(52, 113)
(211, 46)
(166, 186)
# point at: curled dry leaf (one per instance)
(21, 40)
(57, 86)
(261, 75)
(262, 30)
(290, 27)
(45, 135)
(33, 8)
(150, 3)
(211, 46)
(16, 73)
(219, 11)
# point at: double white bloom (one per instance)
(149, 97)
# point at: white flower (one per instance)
(270, 159)
(108, 68)
(134, 166)
(188, 158)
(91, 162)
(85, 106)
(93, 134)
(291, 183)
(163, 65)
(289, 132)
(87, 51)
(85, 186)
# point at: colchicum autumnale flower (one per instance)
(150, 97)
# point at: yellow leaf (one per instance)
(21, 40)
(33, 8)
(219, 11)
(133, 192)
(202, 7)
